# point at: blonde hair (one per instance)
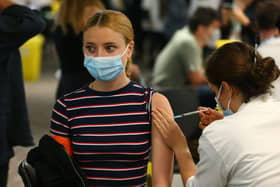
(71, 13)
(116, 21)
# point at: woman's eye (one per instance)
(110, 48)
(91, 49)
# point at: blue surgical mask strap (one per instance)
(219, 94)
(121, 55)
(228, 111)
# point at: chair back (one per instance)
(185, 100)
(28, 174)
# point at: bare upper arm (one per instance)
(162, 156)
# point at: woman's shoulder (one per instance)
(75, 95)
(159, 100)
(138, 87)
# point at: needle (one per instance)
(189, 113)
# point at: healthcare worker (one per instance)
(240, 149)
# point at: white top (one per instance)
(195, 4)
(34, 3)
(271, 47)
(155, 22)
(241, 150)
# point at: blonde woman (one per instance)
(70, 22)
(106, 125)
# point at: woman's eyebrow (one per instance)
(92, 43)
(110, 43)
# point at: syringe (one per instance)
(189, 113)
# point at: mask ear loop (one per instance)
(255, 49)
(228, 105)
(125, 50)
(218, 106)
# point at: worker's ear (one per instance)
(227, 90)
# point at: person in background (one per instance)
(267, 18)
(195, 4)
(239, 20)
(106, 125)
(17, 25)
(70, 22)
(180, 63)
(240, 149)
(176, 17)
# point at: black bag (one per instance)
(48, 165)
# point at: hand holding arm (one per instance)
(236, 13)
(175, 139)
(162, 156)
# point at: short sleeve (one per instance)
(211, 168)
(191, 56)
(59, 120)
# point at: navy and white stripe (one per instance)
(110, 133)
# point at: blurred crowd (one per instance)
(171, 45)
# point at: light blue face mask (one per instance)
(104, 68)
(227, 111)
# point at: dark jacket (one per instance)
(53, 166)
(17, 25)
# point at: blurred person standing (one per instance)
(180, 63)
(195, 4)
(241, 16)
(176, 17)
(17, 25)
(268, 18)
(70, 22)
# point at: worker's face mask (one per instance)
(214, 37)
(227, 111)
(104, 68)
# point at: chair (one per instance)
(184, 100)
(49, 165)
(28, 174)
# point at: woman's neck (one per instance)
(107, 86)
(236, 102)
(264, 35)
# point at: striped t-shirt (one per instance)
(110, 133)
